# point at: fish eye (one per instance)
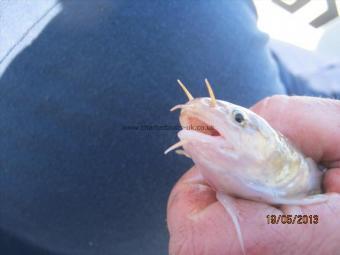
(239, 117)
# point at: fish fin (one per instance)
(228, 205)
(313, 199)
(316, 171)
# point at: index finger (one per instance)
(312, 124)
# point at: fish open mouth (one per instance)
(193, 123)
(196, 129)
(197, 124)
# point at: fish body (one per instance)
(240, 154)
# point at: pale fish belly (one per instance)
(285, 176)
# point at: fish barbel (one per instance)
(240, 155)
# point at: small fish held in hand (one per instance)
(240, 155)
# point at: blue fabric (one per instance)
(72, 180)
(301, 85)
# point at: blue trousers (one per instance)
(75, 178)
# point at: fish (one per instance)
(240, 155)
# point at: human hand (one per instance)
(198, 223)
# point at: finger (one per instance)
(189, 196)
(332, 180)
(196, 220)
(209, 229)
(312, 124)
(315, 229)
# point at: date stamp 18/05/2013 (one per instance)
(292, 219)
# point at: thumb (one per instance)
(312, 124)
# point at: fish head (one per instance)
(227, 141)
(238, 152)
(225, 128)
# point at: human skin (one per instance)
(198, 224)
